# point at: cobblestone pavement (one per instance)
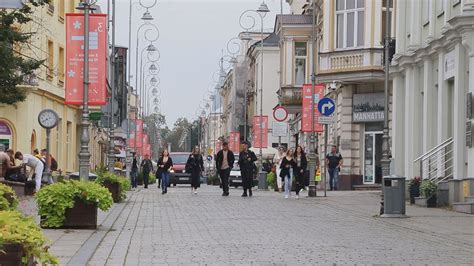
(207, 229)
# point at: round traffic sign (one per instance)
(326, 106)
(209, 158)
(280, 113)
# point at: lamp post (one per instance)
(385, 161)
(261, 12)
(84, 154)
(112, 78)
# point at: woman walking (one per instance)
(194, 166)
(147, 167)
(165, 163)
(277, 162)
(300, 170)
(287, 165)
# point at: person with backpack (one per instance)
(147, 167)
(48, 159)
(35, 164)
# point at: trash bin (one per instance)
(394, 196)
(262, 180)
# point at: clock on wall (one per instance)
(48, 118)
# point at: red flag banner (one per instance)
(234, 142)
(137, 142)
(260, 128)
(75, 59)
(306, 112)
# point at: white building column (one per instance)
(415, 29)
(400, 29)
(429, 112)
(398, 128)
(459, 123)
(289, 61)
(443, 113)
(468, 42)
(412, 123)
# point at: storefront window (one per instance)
(5, 135)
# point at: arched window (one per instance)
(6, 135)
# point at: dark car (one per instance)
(178, 174)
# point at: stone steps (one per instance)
(469, 199)
(464, 207)
(375, 187)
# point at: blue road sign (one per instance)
(209, 158)
(326, 106)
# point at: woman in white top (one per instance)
(277, 161)
(35, 164)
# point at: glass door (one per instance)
(372, 156)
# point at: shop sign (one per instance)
(368, 107)
(279, 129)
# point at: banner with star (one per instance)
(74, 93)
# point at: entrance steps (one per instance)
(465, 207)
(371, 187)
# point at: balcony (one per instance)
(291, 97)
(359, 64)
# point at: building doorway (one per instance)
(372, 157)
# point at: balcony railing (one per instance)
(351, 60)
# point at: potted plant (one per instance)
(414, 188)
(117, 185)
(8, 199)
(428, 190)
(140, 179)
(271, 180)
(214, 180)
(21, 241)
(72, 204)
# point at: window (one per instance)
(384, 17)
(68, 141)
(350, 23)
(61, 66)
(51, 7)
(300, 62)
(59, 133)
(49, 72)
(440, 4)
(426, 9)
(61, 10)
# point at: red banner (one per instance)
(218, 146)
(137, 142)
(75, 59)
(260, 128)
(147, 149)
(234, 142)
(306, 112)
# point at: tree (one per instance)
(15, 67)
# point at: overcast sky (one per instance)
(192, 36)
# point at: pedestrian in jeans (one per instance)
(147, 167)
(134, 171)
(300, 170)
(224, 162)
(334, 162)
(277, 162)
(287, 166)
(247, 160)
(165, 163)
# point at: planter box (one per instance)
(431, 202)
(423, 202)
(114, 189)
(12, 255)
(419, 201)
(80, 216)
(414, 193)
(21, 189)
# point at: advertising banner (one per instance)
(307, 105)
(75, 59)
(234, 142)
(260, 129)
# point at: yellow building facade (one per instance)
(19, 127)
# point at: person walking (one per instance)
(194, 166)
(165, 163)
(35, 164)
(277, 162)
(247, 160)
(147, 167)
(287, 166)
(300, 170)
(334, 162)
(224, 162)
(4, 161)
(134, 171)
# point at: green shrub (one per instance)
(8, 199)
(213, 180)
(18, 229)
(152, 179)
(428, 189)
(53, 200)
(123, 182)
(271, 179)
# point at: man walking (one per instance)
(246, 163)
(224, 161)
(35, 164)
(334, 162)
(147, 167)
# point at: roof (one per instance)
(294, 19)
(271, 40)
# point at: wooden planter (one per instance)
(80, 216)
(12, 255)
(113, 188)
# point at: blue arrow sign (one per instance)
(326, 106)
(209, 158)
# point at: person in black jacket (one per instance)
(247, 160)
(194, 166)
(147, 167)
(134, 171)
(165, 163)
(300, 170)
(287, 166)
(224, 162)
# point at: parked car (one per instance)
(178, 174)
(235, 179)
